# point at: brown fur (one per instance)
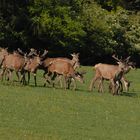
(13, 62)
(32, 66)
(108, 72)
(74, 63)
(64, 68)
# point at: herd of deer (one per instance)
(62, 69)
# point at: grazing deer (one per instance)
(108, 72)
(64, 68)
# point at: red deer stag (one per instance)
(109, 72)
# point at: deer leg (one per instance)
(54, 76)
(2, 74)
(47, 78)
(10, 75)
(110, 87)
(23, 73)
(35, 78)
(28, 77)
(126, 84)
(69, 81)
(94, 79)
(59, 78)
(6, 75)
(117, 87)
(18, 76)
(74, 83)
(100, 86)
(65, 82)
(121, 86)
(44, 74)
(21, 78)
(113, 86)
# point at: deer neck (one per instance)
(74, 63)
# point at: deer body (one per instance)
(114, 73)
(65, 69)
(32, 66)
(74, 62)
(13, 62)
(104, 71)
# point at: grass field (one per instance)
(45, 113)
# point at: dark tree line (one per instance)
(95, 28)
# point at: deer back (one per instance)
(74, 61)
(106, 71)
(61, 67)
(14, 62)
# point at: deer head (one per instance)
(125, 64)
(32, 52)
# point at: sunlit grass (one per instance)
(42, 113)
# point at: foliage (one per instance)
(95, 28)
(133, 34)
(56, 23)
(107, 32)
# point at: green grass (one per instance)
(41, 113)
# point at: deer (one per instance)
(3, 53)
(32, 66)
(109, 72)
(13, 62)
(19, 61)
(65, 69)
(74, 62)
(33, 63)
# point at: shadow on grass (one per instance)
(11, 83)
(83, 90)
(129, 94)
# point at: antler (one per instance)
(20, 51)
(32, 52)
(127, 59)
(44, 54)
(116, 58)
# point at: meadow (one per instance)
(46, 113)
